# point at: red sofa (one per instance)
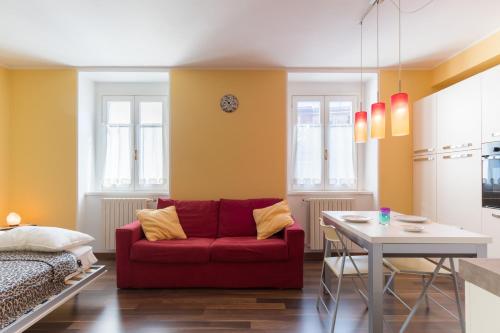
(221, 250)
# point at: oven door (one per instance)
(491, 181)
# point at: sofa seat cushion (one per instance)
(248, 249)
(191, 250)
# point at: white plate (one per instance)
(356, 218)
(413, 228)
(411, 218)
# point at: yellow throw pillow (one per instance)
(161, 224)
(272, 219)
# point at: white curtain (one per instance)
(117, 165)
(151, 156)
(341, 171)
(308, 156)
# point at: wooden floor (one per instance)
(103, 309)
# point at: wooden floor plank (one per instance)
(105, 309)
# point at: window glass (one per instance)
(119, 112)
(151, 112)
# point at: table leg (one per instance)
(375, 288)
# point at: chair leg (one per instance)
(421, 297)
(426, 296)
(457, 295)
(321, 278)
(337, 296)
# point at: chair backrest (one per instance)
(328, 231)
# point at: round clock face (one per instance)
(229, 103)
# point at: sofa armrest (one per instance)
(126, 236)
(294, 237)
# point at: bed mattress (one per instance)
(29, 278)
(84, 257)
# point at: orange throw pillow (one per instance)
(159, 224)
(272, 219)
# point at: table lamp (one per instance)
(13, 219)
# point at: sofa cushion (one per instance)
(191, 250)
(248, 249)
(236, 216)
(198, 218)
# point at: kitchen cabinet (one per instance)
(490, 99)
(424, 186)
(458, 189)
(459, 116)
(491, 227)
(424, 125)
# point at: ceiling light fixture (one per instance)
(400, 114)
(361, 117)
(378, 109)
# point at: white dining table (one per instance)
(391, 240)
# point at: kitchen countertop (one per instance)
(483, 272)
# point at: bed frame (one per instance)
(73, 286)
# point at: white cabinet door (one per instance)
(424, 186)
(459, 189)
(490, 91)
(424, 125)
(491, 227)
(459, 116)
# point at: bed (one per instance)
(32, 284)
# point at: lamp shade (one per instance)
(360, 126)
(378, 120)
(400, 114)
(13, 219)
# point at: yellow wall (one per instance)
(42, 168)
(395, 153)
(220, 155)
(475, 59)
(4, 143)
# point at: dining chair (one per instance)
(429, 270)
(344, 265)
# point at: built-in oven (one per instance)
(491, 174)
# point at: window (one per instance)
(134, 143)
(323, 149)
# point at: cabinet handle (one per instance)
(495, 134)
(423, 159)
(448, 157)
(495, 215)
(425, 150)
(464, 145)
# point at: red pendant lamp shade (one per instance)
(360, 126)
(400, 115)
(378, 120)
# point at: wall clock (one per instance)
(229, 103)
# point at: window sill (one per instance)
(126, 194)
(302, 193)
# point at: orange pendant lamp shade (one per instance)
(400, 114)
(360, 126)
(378, 120)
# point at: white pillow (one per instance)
(43, 239)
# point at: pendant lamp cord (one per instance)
(399, 47)
(361, 70)
(378, 65)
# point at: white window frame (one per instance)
(135, 126)
(324, 116)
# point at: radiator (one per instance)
(117, 212)
(316, 206)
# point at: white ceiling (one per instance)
(234, 33)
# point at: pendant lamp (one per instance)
(378, 109)
(400, 113)
(361, 117)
